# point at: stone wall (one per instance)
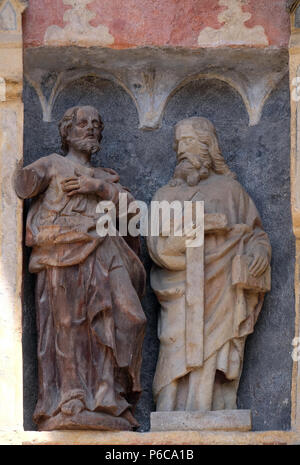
(145, 65)
(145, 161)
(188, 23)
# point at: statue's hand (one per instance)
(258, 264)
(175, 245)
(81, 185)
(178, 244)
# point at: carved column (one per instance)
(11, 149)
(294, 51)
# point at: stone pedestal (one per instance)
(219, 420)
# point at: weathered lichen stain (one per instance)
(233, 30)
(78, 29)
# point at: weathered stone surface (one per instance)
(145, 161)
(11, 149)
(220, 420)
(151, 76)
(78, 29)
(265, 159)
(167, 438)
(159, 438)
(10, 270)
(242, 278)
(233, 29)
(171, 23)
(11, 63)
(294, 65)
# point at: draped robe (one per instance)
(89, 318)
(229, 313)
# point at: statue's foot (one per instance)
(72, 407)
(129, 417)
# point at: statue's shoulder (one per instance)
(164, 193)
(45, 162)
(53, 158)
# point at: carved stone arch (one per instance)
(253, 94)
(151, 76)
(198, 76)
(274, 87)
(63, 80)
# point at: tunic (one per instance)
(89, 318)
(227, 320)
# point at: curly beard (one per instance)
(88, 146)
(190, 177)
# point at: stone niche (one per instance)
(246, 95)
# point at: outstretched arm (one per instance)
(33, 179)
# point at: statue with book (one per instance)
(210, 295)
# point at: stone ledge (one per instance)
(220, 420)
(151, 75)
(166, 438)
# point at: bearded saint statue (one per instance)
(237, 255)
(89, 318)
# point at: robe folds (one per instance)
(89, 318)
(230, 313)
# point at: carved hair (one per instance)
(206, 132)
(66, 122)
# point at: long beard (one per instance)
(88, 146)
(191, 178)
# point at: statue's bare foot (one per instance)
(72, 407)
(129, 417)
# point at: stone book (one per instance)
(242, 278)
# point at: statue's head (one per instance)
(198, 152)
(81, 128)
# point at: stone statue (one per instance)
(89, 317)
(200, 359)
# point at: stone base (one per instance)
(219, 420)
(85, 420)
